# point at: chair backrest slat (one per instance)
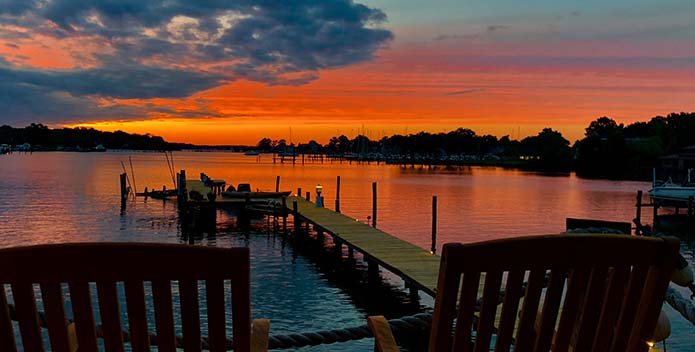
(587, 272)
(627, 312)
(190, 315)
(464, 320)
(27, 316)
(488, 310)
(7, 341)
(551, 308)
(137, 316)
(655, 289)
(510, 306)
(241, 312)
(135, 266)
(83, 315)
(617, 279)
(164, 315)
(525, 335)
(214, 290)
(591, 308)
(576, 288)
(54, 311)
(445, 308)
(107, 293)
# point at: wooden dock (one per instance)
(416, 266)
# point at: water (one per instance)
(72, 197)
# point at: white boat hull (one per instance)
(677, 193)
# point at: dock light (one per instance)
(319, 197)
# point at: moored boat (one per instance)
(243, 190)
(672, 191)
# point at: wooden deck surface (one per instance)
(415, 265)
(200, 187)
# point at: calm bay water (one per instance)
(72, 197)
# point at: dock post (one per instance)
(655, 214)
(284, 214)
(338, 248)
(691, 211)
(124, 188)
(337, 195)
(414, 296)
(319, 235)
(434, 225)
(297, 223)
(277, 184)
(181, 191)
(374, 204)
(372, 271)
(308, 196)
(638, 216)
(299, 192)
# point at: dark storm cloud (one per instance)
(158, 48)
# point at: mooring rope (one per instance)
(418, 322)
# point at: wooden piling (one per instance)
(277, 184)
(638, 215)
(372, 271)
(308, 196)
(124, 188)
(414, 295)
(337, 195)
(373, 204)
(434, 225)
(338, 248)
(284, 214)
(299, 192)
(655, 214)
(181, 191)
(297, 222)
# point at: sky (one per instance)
(233, 72)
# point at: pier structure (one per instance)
(417, 267)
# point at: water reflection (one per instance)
(72, 197)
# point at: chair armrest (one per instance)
(72, 338)
(260, 331)
(383, 338)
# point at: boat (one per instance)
(672, 191)
(251, 153)
(243, 191)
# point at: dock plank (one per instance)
(410, 262)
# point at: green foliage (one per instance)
(42, 137)
(616, 151)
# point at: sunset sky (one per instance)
(233, 72)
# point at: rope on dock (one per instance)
(409, 324)
(681, 304)
(421, 322)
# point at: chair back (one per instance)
(95, 271)
(598, 293)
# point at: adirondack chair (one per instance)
(80, 267)
(604, 293)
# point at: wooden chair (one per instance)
(137, 266)
(604, 292)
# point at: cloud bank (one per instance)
(134, 49)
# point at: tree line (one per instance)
(608, 149)
(40, 137)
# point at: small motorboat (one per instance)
(672, 191)
(243, 190)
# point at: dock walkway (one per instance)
(416, 266)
